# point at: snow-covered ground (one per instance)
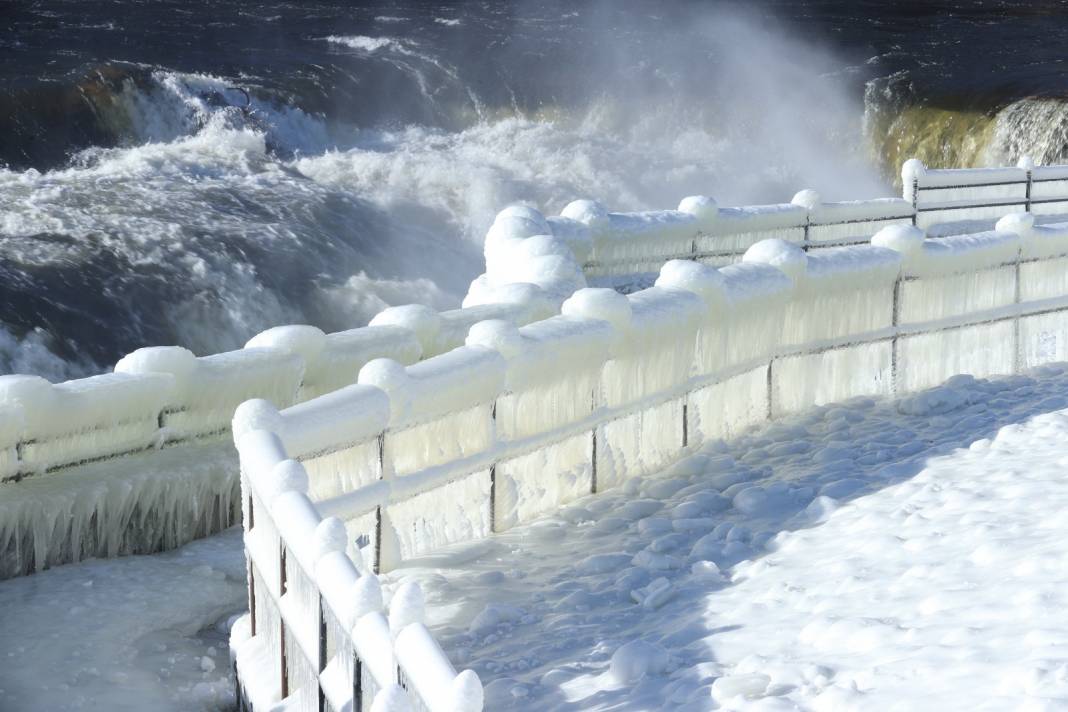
(874, 555)
(136, 633)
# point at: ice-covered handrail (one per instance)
(317, 628)
(522, 419)
(948, 195)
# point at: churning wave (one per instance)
(216, 206)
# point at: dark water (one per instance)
(145, 200)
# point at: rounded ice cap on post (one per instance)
(330, 537)
(366, 597)
(588, 212)
(905, 239)
(1026, 162)
(912, 170)
(600, 303)
(391, 377)
(705, 281)
(1022, 224)
(302, 339)
(288, 476)
(701, 207)
(419, 318)
(807, 198)
(515, 227)
(175, 360)
(524, 212)
(787, 257)
(256, 414)
(406, 607)
(497, 334)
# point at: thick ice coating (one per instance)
(701, 279)
(421, 319)
(701, 207)
(589, 213)
(306, 341)
(783, 255)
(600, 303)
(501, 336)
(906, 239)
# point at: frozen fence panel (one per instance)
(855, 221)
(962, 194)
(208, 389)
(1049, 190)
(333, 361)
(77, 421)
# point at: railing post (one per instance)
(769, 410)
(895, 316)
(281, 620)
(321, 666)
(376, 565)
(357, 682)
(685, 425)
(1027, 206)
(251, 573)
(593, 462)
(915, 201)
(493, 475)
(1017, 353)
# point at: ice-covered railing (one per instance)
(166, 397)
(613, 244)
(607, 243)
(522, 419)
(950, 195)
(317, 636)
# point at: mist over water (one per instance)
(378, 145)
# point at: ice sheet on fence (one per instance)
(84, 419)
(135, 504)
(208, 389)
(334, 360)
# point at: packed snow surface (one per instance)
(134, 633)
(871, 555)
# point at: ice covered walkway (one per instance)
(875, 555)
(144, 633)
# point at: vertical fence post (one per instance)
(321, 666)
(769, 410)
(1027, 206)
(377, 563)
(895, 316)
(357, 682)
(281, 620)
(915, 201)
(251, 573)
(493, 475)
(685, 424)
(1017, 352)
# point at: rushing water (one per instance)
(193, 172)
